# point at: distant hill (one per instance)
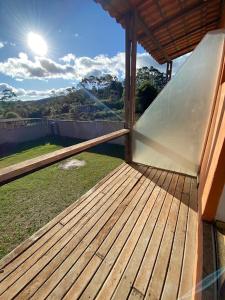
(96, 98)
(77, 105)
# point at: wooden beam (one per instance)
(212, 176)
(130, 80)
(167, 71)
(182, 14)
(151, 36)
(12, 172)
(184, 23)
(127, 72)
(169, 66)
(222, 15)
(156, 2)
(215, 179)
(180, 37)
(140, 22)
(185, 49)
(133, 68)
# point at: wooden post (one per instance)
(169, 66)
(130, 80)
(222, 15)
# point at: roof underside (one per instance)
(168, 29)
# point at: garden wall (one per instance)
(85, 129)
(17, 132)
(14, 134)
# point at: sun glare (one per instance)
(37, 44)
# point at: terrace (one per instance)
(141, 232)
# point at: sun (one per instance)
(37, 44)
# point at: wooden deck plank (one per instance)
(71, 253)
(132, 236)
(172, 282)
(115, 275)
(129, 275)
(149, 198)
(135, 295)
(82, 280)
(147, 189)
(159, 272)
(68, 281)
(67, 233)
(104, 188)
(118, 236)
(146, 269)
(143, 215)
(43, 232)
(186, 281)
(30, 250)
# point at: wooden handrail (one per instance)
(12, 172)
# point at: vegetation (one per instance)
(28, 203)
(151, 75)
(146, 93)
(7, 94)
(95, 98)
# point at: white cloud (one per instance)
(23, 56)
(76, 35)
(5, 43)
(23, 94)
(68, 58)
(71, 67)
(22, 67)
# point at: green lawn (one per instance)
(28, 203)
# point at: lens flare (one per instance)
(37, 44)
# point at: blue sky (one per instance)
(82, 40)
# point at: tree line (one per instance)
(94, 98)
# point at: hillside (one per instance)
(93, 99)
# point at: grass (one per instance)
(28, 203)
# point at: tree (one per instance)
(7, 94)
(146, 93)
(116, 86)
(102, 86)
(98, 82)
(11, 115)
(153, 76)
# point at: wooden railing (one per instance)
(12, 172)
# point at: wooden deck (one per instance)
(133, 236)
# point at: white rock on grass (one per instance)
(72, 164)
